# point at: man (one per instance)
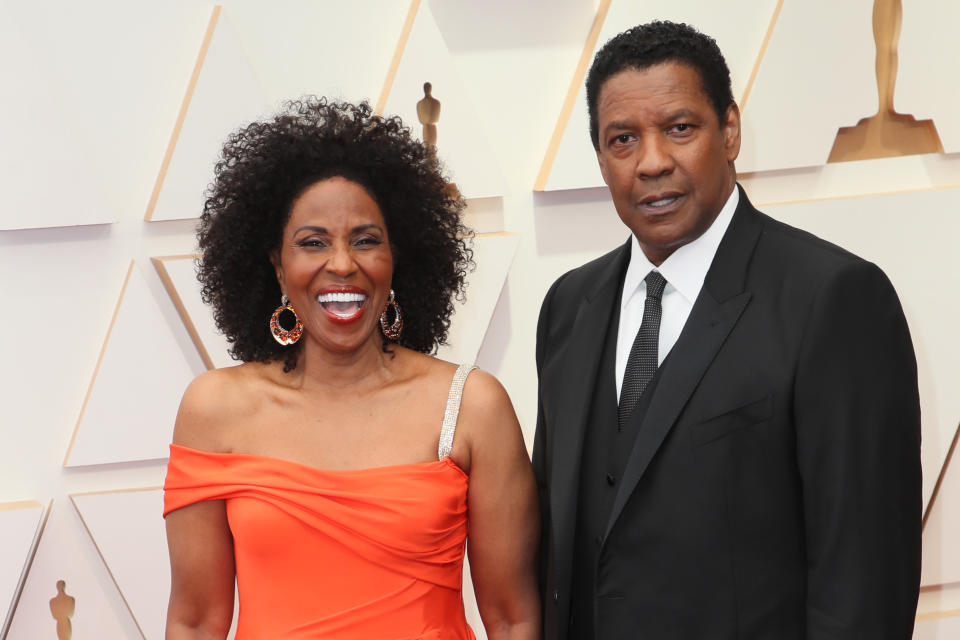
(728, 434)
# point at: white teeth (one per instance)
(660, 203)
(341, 297)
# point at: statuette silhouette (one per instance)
(428, 112)
(62, 607)
(886, 133)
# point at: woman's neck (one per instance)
(366, 367)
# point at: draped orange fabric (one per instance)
(361, 554)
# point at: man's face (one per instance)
(665, 156)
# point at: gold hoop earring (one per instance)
(391, 330)
(281, 335)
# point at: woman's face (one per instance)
(335, 264)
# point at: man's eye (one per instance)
(623, 138)
(681, 127)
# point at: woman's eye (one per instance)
(367, 240)
(311, 242)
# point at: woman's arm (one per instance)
(202, 570)
(504, 521)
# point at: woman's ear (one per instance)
(275, 261)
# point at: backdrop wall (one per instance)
(112, 112)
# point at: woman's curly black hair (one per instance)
(265, 166)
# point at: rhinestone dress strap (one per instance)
(453, 410)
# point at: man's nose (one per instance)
(654, 158)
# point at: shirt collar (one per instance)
(686, 268)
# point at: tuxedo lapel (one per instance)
(572, 378)
(714, 314)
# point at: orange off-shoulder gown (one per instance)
(369, 554)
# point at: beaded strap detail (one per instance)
(453, 410)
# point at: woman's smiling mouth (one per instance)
(343, 306)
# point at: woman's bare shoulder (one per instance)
(214, 401)
(483, 393)
(486, 412)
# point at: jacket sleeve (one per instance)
(857, 415)
(540, 468)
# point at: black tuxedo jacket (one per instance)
(774, 490)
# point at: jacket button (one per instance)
(556, 596)
(611, 480)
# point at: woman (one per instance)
(315, 473)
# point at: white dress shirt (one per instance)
(685, 270)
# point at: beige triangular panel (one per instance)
(47, 181)
(66, 553)
(128, 532)
(132, 401)
(929, 53)
(222, 95)
(21, 524)
(942, 626)
(461, 142)
(179, 277)
(873, 227)
(834, 180)
(336, 49)
(250, 61)
(817, 75)
(740, 28)
(493, 255)
(941, 531)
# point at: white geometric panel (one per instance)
(938, 627)
(250, 61)
(941, 544)
(136, 387)
(180, 279)
(127, 529)
(926, 274)
(46, 179)
(222, 95)
(493, 255)
(738, 26)
(461, 144)
(928, 54)
(341, 50)
(816, 76)
(21, 524)
(895, 174)
(65, 553)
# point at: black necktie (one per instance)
(642, 362)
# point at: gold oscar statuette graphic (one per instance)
(62, 607)
(887, 133)
(428, 112)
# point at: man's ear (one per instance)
(603, 167)
(731, 131)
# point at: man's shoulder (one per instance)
(579, 280)
(797, 250)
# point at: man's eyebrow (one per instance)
(617, 124)
(681, 114)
